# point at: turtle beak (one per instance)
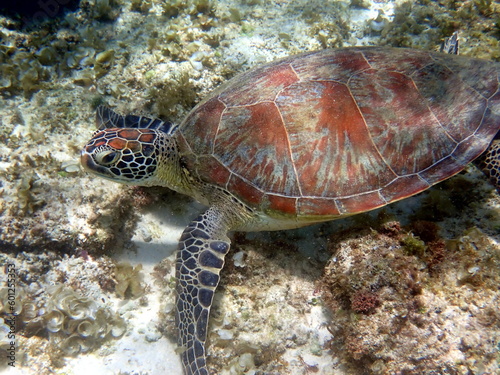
(89, 165)
(86, 160)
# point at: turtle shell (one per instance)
(343, 131)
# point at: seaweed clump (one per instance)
(128, 281)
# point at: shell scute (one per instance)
(324, 65)
(396, 127)
(368, 201)
(201, 126)
(285, 205)
(270, 79)
(328, 137)
(457, 106)
(254, 142)
(399, 60)
(489, 125)
(442, 170)
(251, 194)
(481, 75)
(218, 173)
(470, 149)
(307, 206)
(403, 187)
(494, 105)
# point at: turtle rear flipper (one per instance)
(106, 119)
(489, 162)
(450, 45)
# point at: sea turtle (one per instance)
(306, 139)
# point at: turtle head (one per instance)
(130, 156)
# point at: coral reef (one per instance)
(392, 308)
(78, 324)
(72, 323)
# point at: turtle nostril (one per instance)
(107, 157)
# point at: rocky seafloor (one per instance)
(412, 288)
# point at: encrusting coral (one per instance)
(78, 324)
(394, 294)
(73, 323)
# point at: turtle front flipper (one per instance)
(200, 257)
(106, 119)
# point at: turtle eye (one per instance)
(107, 157)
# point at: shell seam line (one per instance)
(289, 149)
(368, 130)
(218, 125)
